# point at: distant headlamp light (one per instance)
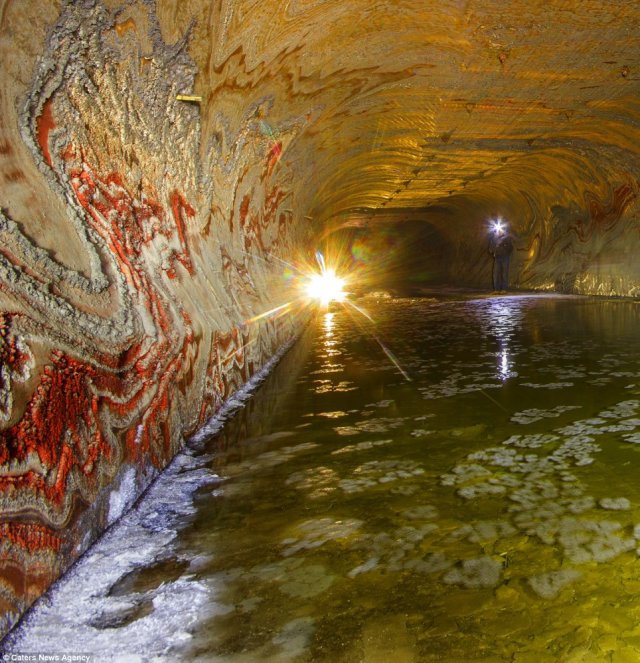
(498, 227)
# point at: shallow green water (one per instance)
(454, 517)
(487, 509)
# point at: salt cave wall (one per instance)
(572, 205)
(575, 216)
(144, 238)
(134, 260)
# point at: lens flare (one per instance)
(326, 287)
(498, 227)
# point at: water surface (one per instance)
(455, 481)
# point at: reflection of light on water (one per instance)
(503, 527)
(503, 364)
(329, 342)
(503, 319)
(328, 324)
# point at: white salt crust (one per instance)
(75, 607)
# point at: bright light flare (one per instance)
(498, 226)
(326, 287)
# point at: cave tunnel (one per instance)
(427, 469)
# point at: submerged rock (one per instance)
(548, 585)
(480, 572)
(307, 581)
(618, 504)
(317, 532)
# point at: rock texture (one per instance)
(134, 262)
(143, 237)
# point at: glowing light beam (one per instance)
(278, 309)
(392, 358)
(325, 286)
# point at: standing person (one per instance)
(501, 248)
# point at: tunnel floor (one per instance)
(426, 479)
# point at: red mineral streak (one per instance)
(273, 157)
(44, 124)
(181, 208)
(60, 426)
(271, 206)
(11, 355)
(82, 410)
(226, 356)
(250, 226)
(153, 425)
(30, 536)
(136, 221)
(244, 209)
(254, 222)
(606, 214)
(62, 423)
(135, 224)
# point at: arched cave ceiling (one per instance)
(153, 249)
(410, 104)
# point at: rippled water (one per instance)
(487, 508)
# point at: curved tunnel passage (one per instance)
(169, 169)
